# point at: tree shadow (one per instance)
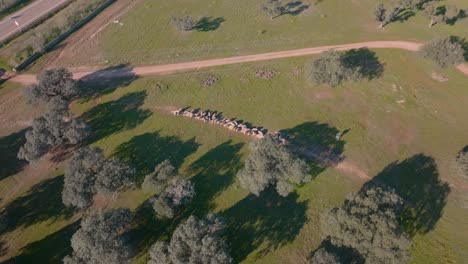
(115, 116)
(209, 24)
(365, 61)
(417, 181)
(145, 151)
(316, 143)
(404, 15)
(9, 147)
(213, 173)
(295, 8)
(268, 220)
(51, 249)
(105, 81)
(421, 3)
(43, 202)
(147, 228)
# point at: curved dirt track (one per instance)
(195, 65)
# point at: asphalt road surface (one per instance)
(27, 16)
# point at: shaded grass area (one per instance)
(42, 202)
(268, 219)
(112, 117)
(146, 151)
(243, 28)
(9, 147)
(51, 249)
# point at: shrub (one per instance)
(186, 23)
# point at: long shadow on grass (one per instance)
(43, 202)
(316, 143)
(417, 181)
(9, 147)
(105, 81)
(51, 249)
(209, 23)
(148, 228)
(145, 151)
(115, 116)
(366, 61)
(269, 220)
(214, 172)
(295, 8)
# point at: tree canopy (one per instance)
(185, 23)
(80, 177)
(444, 51)
(367, 222)
(51, 130)
(332, 68)
(194, 241)
(52, 83)
(176, 195)
(88, 173)
(462, 161)
(156, 180)
(273, 8)
(272, 164)
(101, 239)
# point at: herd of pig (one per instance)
(217, 118)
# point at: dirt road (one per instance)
(195, 65)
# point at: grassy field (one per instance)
(231, 28)
(405, 127)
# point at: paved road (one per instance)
(195, 65)
(27, 16)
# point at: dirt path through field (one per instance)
(195, 65)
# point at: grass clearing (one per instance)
(130, 122)
(232, 28)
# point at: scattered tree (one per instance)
(52, 130)
(177, 194)
(451, 13)
(101, 239)
(88, 173)
(156, 180)
(112, 175)
(39, 141)
(186, 23)
(274, 8)
(52, 83)
(379, 13)
(462, 161)
(272, 164)
(444, 52)
(80, 177)
(330, 68)
(194, 241)
(367, 222)
(430, 10)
